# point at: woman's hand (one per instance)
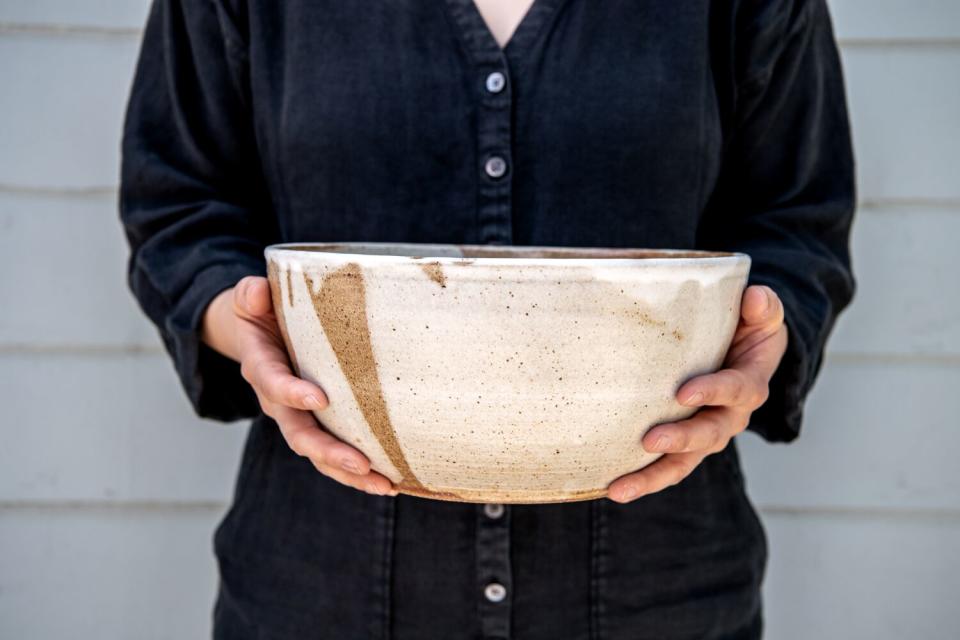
(240, 324)
(729, 396)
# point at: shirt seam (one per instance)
(596, 543)
(389, 522)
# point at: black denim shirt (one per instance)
(716, 124)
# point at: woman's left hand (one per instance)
(728, 396)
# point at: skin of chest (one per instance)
(503, 16)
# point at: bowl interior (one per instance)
(418, 251)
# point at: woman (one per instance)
(714, 124)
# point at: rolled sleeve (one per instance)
(192, 200)
(786, 190)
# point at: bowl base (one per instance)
(504, 497)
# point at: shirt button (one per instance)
(493, 511)
(495, 592)
(495, 166)
(495, 82)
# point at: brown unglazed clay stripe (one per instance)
(341, 307)
(289, 288)
(273, 274)
(435, 272)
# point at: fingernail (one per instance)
(767, 302)
(313, 402)
(663, 442)
(628, 493)
(350, 466)
(695, 399)
(380, 491)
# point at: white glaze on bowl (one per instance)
(502, 379)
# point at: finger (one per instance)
(726, 387)
(372, 483)
(761, 306)
(305, 437)
(266, 369)
(665, 472)
(251, 297)
(708, 430)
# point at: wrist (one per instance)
(218, 329)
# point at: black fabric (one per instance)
(717, 124)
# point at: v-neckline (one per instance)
(481, 38)
(516, 28)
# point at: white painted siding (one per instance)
(105, 476)
(98, 572)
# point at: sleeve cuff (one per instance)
(780, 417)
(212, 381)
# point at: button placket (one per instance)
(493, 89)
(494, 575)
(494, 144)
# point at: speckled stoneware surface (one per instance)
(484, 373)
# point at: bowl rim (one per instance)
(301, 249)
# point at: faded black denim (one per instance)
(716, 124)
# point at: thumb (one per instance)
(761, 306)
(251, 297)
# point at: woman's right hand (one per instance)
(240, 324)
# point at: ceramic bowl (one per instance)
(487, 373)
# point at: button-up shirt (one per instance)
(701, 124)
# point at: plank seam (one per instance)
(869, 204)
(85, 30)
(69, 30)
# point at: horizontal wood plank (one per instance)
(873, 437)
(91, 14)
(906, 265)
(903, 108)
(850, 577)
(68, 285)
(883, 21)
(109, 428)
(106, 574)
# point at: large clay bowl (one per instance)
(485, 373)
